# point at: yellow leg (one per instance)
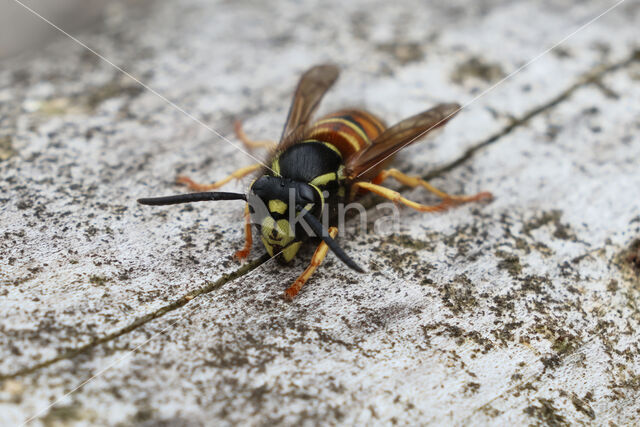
(397, 197)
(240, 173)
(271, 145)
(316, 260)
(414, 181)
(248, 238)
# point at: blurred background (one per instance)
(20, 30)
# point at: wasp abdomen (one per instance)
(348, 130)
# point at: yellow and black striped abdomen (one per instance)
(348, 130)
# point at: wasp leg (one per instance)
(271, 145)
(248, 238)
(242, 172)
(396, 197)
(316, 260)
(414, 181)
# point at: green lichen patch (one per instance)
(562, 52)
(458, 295)
(539, 285)
(546, 413)
(561, 231)
(471, 388)
(409, 242)
(402, 253)
(631, 258)
(565, 343)
(66, 415)
(505, 334)
(583, 406)
(562, 341)
(479, 69)
(98, 280)
(630, 382)
(88, 101)
(110, 90)
(460, 335)
(6, 148)
(403, 52)
(490, 411)
(509, 262)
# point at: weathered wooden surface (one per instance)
(523, 310)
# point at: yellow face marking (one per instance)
(323, 179)
(275, 166)
(341, 191)
(290, 251)
(277, 206)
(341, 172)
(276, 233)
(268, 246)
(268, 223)
(321, 196)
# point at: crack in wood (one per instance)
(592, 77)
(140, 321)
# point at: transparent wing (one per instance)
(312, 86)
(366, 164)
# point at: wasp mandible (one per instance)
(315, 167)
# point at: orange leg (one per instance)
(396, 197)
(248, 238)
(271, 145)
(316, 260)
(414, 181)
(240, 173)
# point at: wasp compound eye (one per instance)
(306, 194)
(261, 186)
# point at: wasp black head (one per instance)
(282, 207)
(276, 205)
(299, 194)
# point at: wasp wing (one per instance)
(311, 88)
(365, 165)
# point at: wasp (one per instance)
(316, 166)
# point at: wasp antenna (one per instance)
(191, 197)
(333, 245)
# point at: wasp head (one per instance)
(277, 205)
